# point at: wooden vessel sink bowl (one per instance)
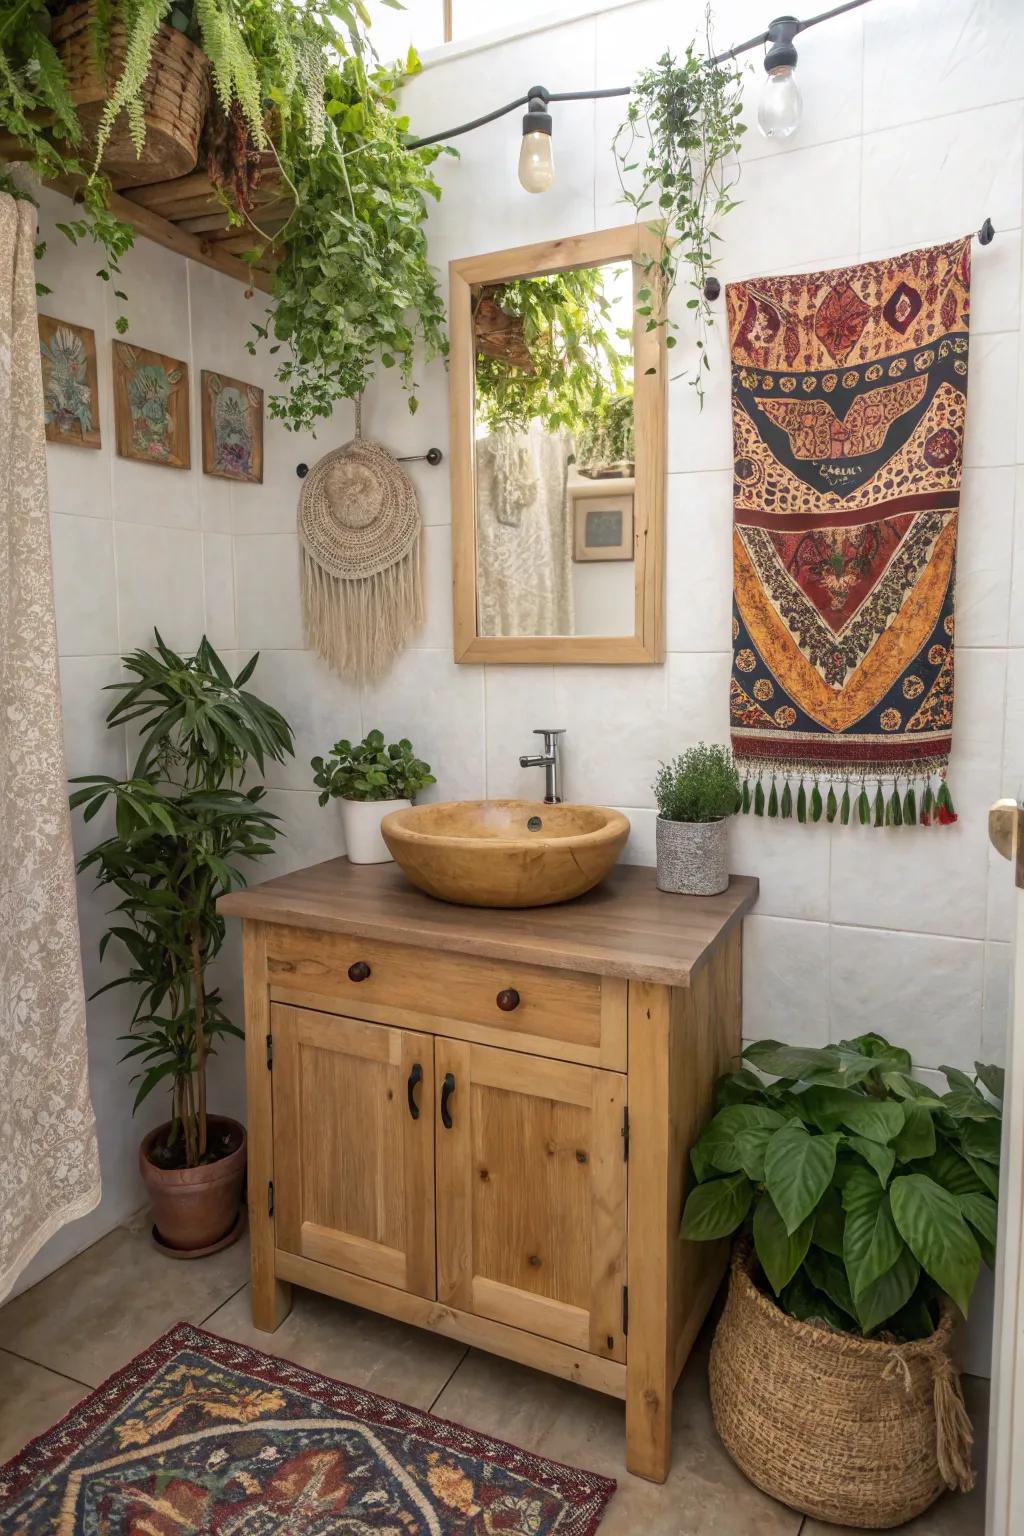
(505, 853)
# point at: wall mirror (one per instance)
(558, 454)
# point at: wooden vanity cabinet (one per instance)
(478, 1122)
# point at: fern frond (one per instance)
(141, 19)
(235, 76)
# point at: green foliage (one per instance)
(183, 826)
(681, 132)
(353, 285)
(578, 363)
(607, 438)
(369, 770)
(701, 784)
(296, 80)
(37, 110)
(862, 1188)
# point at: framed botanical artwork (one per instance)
(602, 525)
(232, 428)
(71, 400)
(151, 406)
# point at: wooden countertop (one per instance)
(626, 927)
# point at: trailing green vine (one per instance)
(681, 133)
(353, 285)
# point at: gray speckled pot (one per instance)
(693, 856)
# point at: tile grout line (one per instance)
(204, 1320)
(456, 1368)
(28, 1360)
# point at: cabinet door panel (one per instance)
(353, 1169)
(531, 1194)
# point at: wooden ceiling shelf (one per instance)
(186, 216)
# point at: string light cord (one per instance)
(617, 90)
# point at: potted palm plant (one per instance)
(867, 1202)
(371, 780)
(696, 793)
(183, 826)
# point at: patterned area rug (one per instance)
(849, 401)
(202, 1437)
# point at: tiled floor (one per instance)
(72, 1330)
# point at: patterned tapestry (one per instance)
(849, 398)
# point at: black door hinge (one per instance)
(270, 1197)
(625, 1133)
(270, 1053)
(625, 1310)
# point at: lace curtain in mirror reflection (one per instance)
(553, 421)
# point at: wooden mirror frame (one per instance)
(646, 645)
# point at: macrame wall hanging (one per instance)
(849, 401)
(359, 534)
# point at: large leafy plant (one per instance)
(370, 770)
(579, 359)
(867, 1194)
(680, 137)
(183, 828)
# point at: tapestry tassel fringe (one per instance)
(771, 793)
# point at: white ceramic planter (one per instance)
(360, 820)
(693, 856)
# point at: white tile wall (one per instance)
(913, 131)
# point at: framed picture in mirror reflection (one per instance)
(602, 525)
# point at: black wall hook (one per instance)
(433, 456)
(712, 289)
(986, 233)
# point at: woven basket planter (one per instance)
(499, 335)
(854, 1431)
(174, 97)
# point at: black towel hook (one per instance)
(986, 233)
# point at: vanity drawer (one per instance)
(569, 1015)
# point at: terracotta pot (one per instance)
(193, 1208)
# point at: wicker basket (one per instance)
(854, 1431)
(498, 334)
(174, 97)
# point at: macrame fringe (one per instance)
(358, 627)
(911, 800)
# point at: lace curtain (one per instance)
(49, 1167)
(523, 534)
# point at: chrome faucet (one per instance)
(550, 761)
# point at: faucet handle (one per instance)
(547, 731)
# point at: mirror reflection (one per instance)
(553, 422)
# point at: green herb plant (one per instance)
(579, 360)
(681, 133)
(701, 784)
(607, 438)
(868, 1196)
(183, 828)
(369, 770)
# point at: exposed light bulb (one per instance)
(536, 157)
(536, 162)
(781, 105)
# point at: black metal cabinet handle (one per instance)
(447, 1089)
(415, 1078)
(359, 971)
(508, 999)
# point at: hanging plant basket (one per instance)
(500, 335)
(855, 1431)
(175, 96)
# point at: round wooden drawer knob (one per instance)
(359, 971)
(508, 999)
